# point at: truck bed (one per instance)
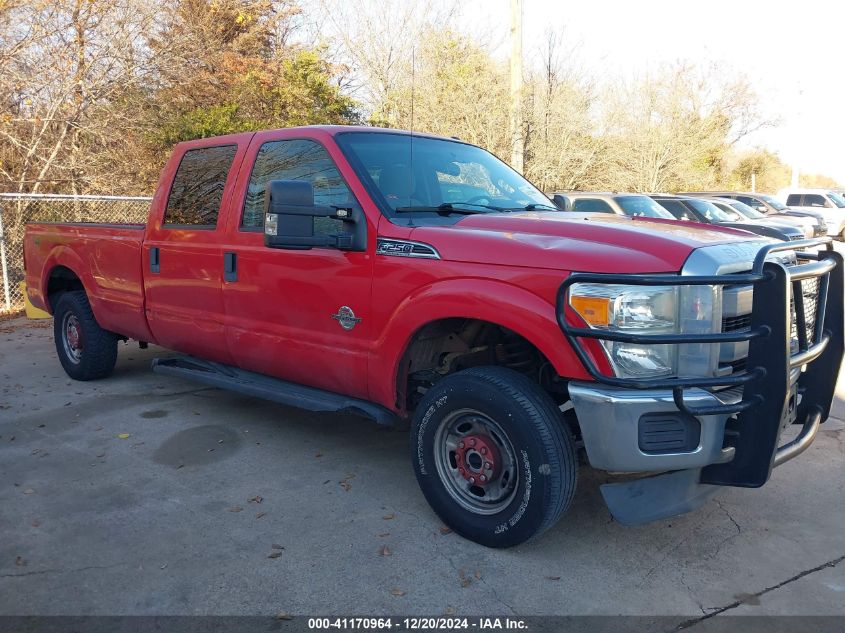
(107, 256)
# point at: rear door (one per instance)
(299, 315)
(183, 257)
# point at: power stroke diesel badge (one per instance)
(346, 317)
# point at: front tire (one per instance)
(493, 456)
(86, 351)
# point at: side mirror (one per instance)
(289, 213)
(560, 201)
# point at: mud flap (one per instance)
(659, 497)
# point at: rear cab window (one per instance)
(197, 189)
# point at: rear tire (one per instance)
(497, 414)
(86, 351)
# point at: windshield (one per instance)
(710, 211)
(642, 206)
(422, 173)
(774, 203)
(744, 209)
(837, 198)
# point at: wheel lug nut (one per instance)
(488, 465)
(472, 442)
(461, 445)
(483, 478)
(483, 450)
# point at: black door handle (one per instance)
(155, 263)
(230, 266)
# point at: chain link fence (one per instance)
(18, 209)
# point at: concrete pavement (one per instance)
(141, 494)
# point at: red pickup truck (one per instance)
(405, 276)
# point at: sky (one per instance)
(793, 53)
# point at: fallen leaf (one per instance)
(449, 611)
(318, 455)
(388, 517)
(163, 566)
(256, 499)
(274, 546)
(36, 523)
(345, 485)
(275, 553)
(235, 509)
(260, 514)
(397, 592)
(124, 436)
(383, 534)
(281, 615)
(478, 575)
(101, 455)
(384, 550)
(20, 561)
(552, 577)
(465, 582)
(28, 491)
(445, 530)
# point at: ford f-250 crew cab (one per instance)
(399, 275)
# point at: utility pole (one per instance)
(517, 141)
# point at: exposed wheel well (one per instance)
(448, 345)
(62, 279)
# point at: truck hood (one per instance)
(574, 242)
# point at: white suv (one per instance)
(829, 203)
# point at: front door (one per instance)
(299, 315)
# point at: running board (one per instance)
(268, 388)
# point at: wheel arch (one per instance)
(492, 302)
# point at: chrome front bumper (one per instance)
(610, 420)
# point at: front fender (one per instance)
(497, 302)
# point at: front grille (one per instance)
(734, 323)
(732, 356)
(810, 291)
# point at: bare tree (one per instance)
(377, 39)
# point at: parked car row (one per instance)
(711, 209)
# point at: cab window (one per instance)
(198, 185)
(815, 200)
(591, 205)
(297, 159)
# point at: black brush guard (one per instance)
(754, 426)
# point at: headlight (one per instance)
(650, 310)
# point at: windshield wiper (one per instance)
(443, 209)
(534, 206)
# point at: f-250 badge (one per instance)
(346, 317)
